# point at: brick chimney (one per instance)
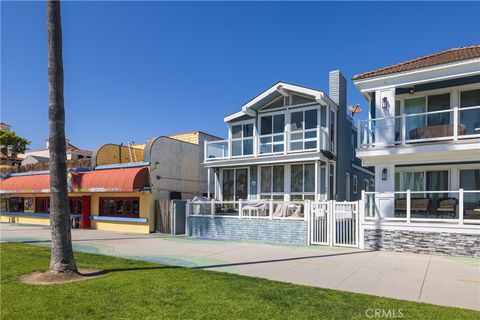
(337, 88)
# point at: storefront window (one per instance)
(120, 207)
(75, 205)
(15, 204)
(3, 204)
(28, 204)
(42, 205)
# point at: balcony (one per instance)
(310, 140)
(445, 125)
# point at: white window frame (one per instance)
(231, 139)
(286, 125)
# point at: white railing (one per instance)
(452, 124)
(315, 139)
(247, 209)
(452, 207)
(303, 140)
(272, 143)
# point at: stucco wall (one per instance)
(444, 243)
(174, 166)
(275, 231)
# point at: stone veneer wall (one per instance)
(444, 243)
(278, 231)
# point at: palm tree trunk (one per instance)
(62, 254)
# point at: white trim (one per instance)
(424, 75)
(420, 227)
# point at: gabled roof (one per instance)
(39, 158)
(443, 57)
(278, 89)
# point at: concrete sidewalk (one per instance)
(449, 281)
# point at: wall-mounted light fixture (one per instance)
(412, 90)
(385, 103)
(384, 174)
(254, 183)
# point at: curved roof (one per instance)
(442, 57)
(112, 180)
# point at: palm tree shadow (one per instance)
(233, 264)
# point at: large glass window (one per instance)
(228, 181)
(414, 122)
(272, 180)
(42, 205)
(470, 118)
(28, 204)
(75, 205)
(305, 121)
(235, 184)
(120, 207)
(439, 102)
(469, 181)
(272, 128)
(15, 204)
(242, 139)
(302, 183)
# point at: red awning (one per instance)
(111, 180)
(39, 183)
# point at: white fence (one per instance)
(248, 209)
(334, 223)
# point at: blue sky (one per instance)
(137, 70)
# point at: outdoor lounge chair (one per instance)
(417, 205)
(420, 205)
(447, 206)
(287, 210)
(255, 208)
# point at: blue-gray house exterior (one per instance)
(289, 143)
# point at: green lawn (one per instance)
(139, 290)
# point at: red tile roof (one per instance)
(447, 56)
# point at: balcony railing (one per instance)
(457, 207)
(453, 124)
(315, 139)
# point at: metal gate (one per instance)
(334, 223)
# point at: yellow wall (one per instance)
(191, 137)
(146, 211)
(110, 154)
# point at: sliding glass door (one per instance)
(235, 184)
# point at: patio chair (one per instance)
(258, 208)
(420, 205)
(281, 210)
(447, 206)
(400, 206)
